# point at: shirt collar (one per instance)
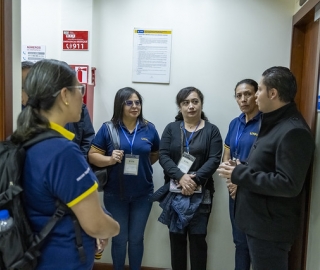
(139, 124)
(255, 118)
(64, 132)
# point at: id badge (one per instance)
(186, 162)
(131, 164)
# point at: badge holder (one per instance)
(186, 162)
(131, 164)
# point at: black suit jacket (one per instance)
(269, 194)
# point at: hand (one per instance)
(117, 156)
(187, 184)
(225, 169)
(233, 162)
(101, 244)
(232, 190)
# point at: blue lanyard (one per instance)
(134, 136)
(238, 136)
(190, 137)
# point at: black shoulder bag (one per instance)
(102, 173)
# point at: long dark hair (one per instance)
(121, 96)
(182, 95)
(44, 79)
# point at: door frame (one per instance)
(304, 64)
(5, 69)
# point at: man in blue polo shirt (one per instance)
(242, 133)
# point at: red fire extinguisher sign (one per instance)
(81, 72)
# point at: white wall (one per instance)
(214, 45)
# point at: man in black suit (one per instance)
(269, 194)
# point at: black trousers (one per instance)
(268, 255)
(198, 251)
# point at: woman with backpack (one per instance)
(55, 170)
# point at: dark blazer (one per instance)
(270, 184)
(83, 130)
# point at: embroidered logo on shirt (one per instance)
(84, 174)
(145, 139)
(254, 134)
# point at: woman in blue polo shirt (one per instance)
(130, 181)
(243, 131)
(55, 169)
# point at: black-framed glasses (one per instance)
(81, 88)
(129, 103)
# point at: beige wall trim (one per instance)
(309, 5)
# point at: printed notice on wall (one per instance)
(33, 53)
(151, 55)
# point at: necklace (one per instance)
(193, 125)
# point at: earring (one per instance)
(67, 103)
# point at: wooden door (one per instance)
(5, 68)
(305, 66)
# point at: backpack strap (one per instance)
(114, 134)
(33, 252)
(9, 194)
(79, 244)
(48, 134)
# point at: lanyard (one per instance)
(238, 136)
(134, 136)
(190, 137)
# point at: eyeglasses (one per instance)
(129, 103)
(187, 102)
(81, 88)
(245, 94)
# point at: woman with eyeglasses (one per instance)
(190, 152)
(130, 184)
(243, 131)
(83, 129)
(56, 170)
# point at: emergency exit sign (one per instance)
(75, 40)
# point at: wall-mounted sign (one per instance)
(82, 72)
(82, 75)
(151, 55)
(75, 40)
(33, 53)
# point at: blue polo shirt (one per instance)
(242, 135)
(56, 169)
(146, 141)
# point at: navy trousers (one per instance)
(242, 256)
